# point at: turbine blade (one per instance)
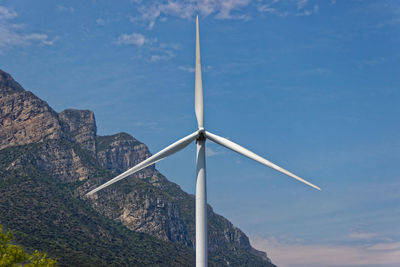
(245, 152)
(198, 101)
(171, 149)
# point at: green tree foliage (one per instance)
(13, 255)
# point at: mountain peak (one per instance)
(8, 84)
(24, 118)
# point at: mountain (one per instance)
(50, 160)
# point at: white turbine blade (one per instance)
(198, 99)
(245, 152)
(171, 149)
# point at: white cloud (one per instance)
(101, 21)
(163, 52)
(308, 12)
(186, 68)
(166, 55)
(301, 4)
(40, 37)
(316, 8)
(227, 7)
(285, 254)
(372, 62)
(133, 39)
(186, 9)
(150, 12)
(266, 9)
(288, 8)
(6, 13)
(12, 34)
(153, 50)
(65, 9)
(210, 152)
(192, 69)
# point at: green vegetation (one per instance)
(45, 215)
(48, 215)
(13, 255)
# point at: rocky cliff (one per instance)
(24, 118)
(64, 147)
(81, 128)
(120, 152)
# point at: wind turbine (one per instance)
(200, 135)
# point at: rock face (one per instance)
(24, 118)
(60, 160)
(120, 152)
(81, 126)
(65, 147)
(147, 208)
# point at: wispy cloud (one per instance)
(227, 7)
(155, 50)
(308, 12)
(270, 8)
(101, 21)
(150, 12)
(371, 62)
(134, 39)
(166, 55)
(163, 51)
(6, 13)
(12, 34)
(288, 8)
(68, 9)
(301, 4)
(186, 68)
(297, 254)
(210, 152)
(205, 68)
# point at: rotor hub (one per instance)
(201, 135)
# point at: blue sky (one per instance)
(311, 85)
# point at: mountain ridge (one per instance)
(65, 148)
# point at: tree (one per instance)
(13, 255)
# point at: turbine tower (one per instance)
(200, 135)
